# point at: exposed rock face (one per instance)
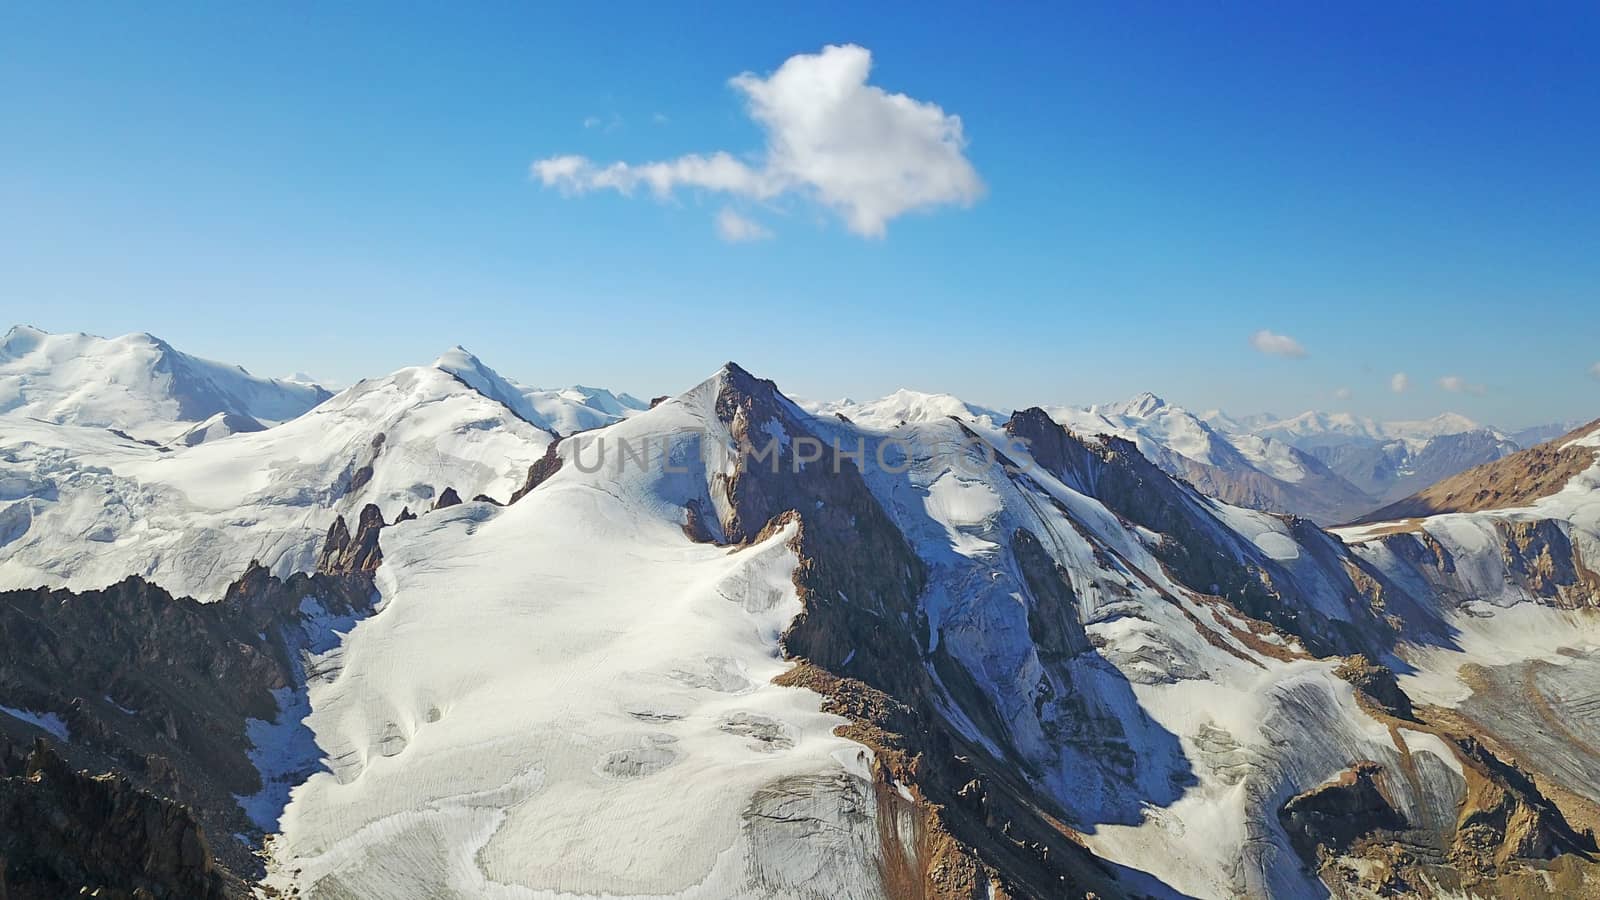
(1540, 557)
(1516, 480)
(540, 471)
(1378, 684)
(1330, 818)
(853, 560)
(64, 832)
(1054, 620)
(448, 497)
(1488, 833)
(1507, 818)
(1537, 560)
(346, 554)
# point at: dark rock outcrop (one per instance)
(68, 833)
(1333, 816)
(1054, 621)
(540, 472)
(1377, 683)
(447, 498)
(1507, 818)
(346, 554)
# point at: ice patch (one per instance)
(48, 721)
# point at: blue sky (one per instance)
(348, 190)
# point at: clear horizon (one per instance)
(1245, 209)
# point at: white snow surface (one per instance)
(1312, 426)
(903, 407)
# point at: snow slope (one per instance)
(136, 383)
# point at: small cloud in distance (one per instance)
(736, 229)
(1455, 384)
(1400, 383)
(1274, 344)
(1342, 394)
(1595, 370)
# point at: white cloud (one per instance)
(1277, 344)
(1595, 370)
(737, 229)
(1455, 384)
(591, 122)
(867, 155)
(1400, 383)
(1342, 394)
(659, 119)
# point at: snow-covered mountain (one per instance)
(904, 407)
(733, 646)
(1387, 460)
(137, 384)
(85, 507)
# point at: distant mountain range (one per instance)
(1330, 468)
(444, 635)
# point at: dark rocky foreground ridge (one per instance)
(156, 692)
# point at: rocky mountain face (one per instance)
(732, 646)
(175, 700)
(66, 833)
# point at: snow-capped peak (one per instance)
(459, 362)
(560, 410)
(1142, 405)
(137, 383)
(19, 340)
